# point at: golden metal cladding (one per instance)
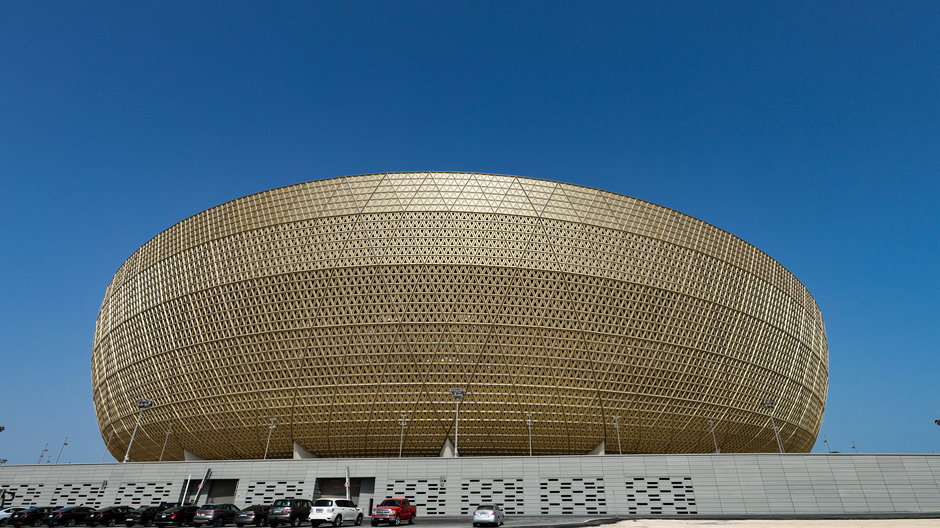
(337, 307)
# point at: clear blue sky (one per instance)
(809, 129)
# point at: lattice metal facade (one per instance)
(334, 307)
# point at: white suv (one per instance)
(334, 511)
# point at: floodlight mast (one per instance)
(769, 405)
(271, 428)
(402, 422)
(142, 405)
(458, 393)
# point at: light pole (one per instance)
(169, 431)
(617, 427)
(107, 444)
(43, 453)
(64, 443)
(769, 405)
(711, 429)
(458, 393)
(528, 422)
(268, 444)
(142, 405)
(402, 422)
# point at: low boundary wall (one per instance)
(642, 485)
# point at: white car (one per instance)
(335, 512)
(488, 514)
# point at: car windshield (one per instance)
(282, 502)
(391, 503)
(486, 507)
(323, 502)
(208, 507)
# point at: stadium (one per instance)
(335, 318)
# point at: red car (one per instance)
(394, 511)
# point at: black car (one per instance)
(289, 511)
(178, 516)
(68, 516)
(30, 516)
(255, 515)
(215, 514)
(107, 516)
(143, 515)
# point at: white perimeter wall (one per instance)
(648, 485)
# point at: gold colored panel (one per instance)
(333, 307)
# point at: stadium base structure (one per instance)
(736, 485)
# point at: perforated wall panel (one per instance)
(508, 493)
(660, 496)
(573, 496)
(428, 495)
(261, 492)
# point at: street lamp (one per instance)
(169, 431)
(270, 430)
(64, 443)
(617, 427)
(43, 453)
(142, 405)
(458, 393)
(711, 429)
(402, 422)
(769, 405)
(528, 422)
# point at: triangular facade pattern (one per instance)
(334, 307)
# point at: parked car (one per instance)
(67, 516)
(176, 516)
(6, 513)
(215, 514)
(107, 516)
(394, 511)
(335, 512)
(143, 515)
(255, 515)
(289, 511)
(488, 514)
(30, 516)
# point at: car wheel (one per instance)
(295, 522)
(338, 521)
(70, 522)
(37, 523)
(374, 523)
(397, 521)
(359, 519)
(149, 523)
(411, 520)
(218, 522)
(111, 522)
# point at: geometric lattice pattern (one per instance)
(333, 307)
(23, 494)
(660, 496)
(507, 493)
(267, 492)
(575, 496)
(146, 494)
(428, 495)
(77, 495)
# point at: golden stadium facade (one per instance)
(338, 309)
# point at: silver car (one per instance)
(488, 514)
